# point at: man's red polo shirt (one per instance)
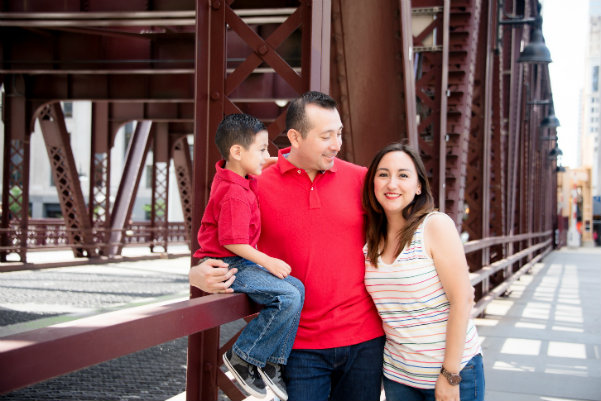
(317, 228)
(232, 214)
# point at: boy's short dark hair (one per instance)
(236, 129)
(296, 117)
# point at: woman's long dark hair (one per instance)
(376, 224)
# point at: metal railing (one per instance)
(53, 234)
(41, 354)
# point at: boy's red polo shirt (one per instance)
(317, 228)
(232, 215)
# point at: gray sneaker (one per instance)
(246, 375)
(272, 376)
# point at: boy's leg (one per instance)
(282, 350)
(282, 302)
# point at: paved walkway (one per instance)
(542, 342)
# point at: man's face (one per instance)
(317, 150)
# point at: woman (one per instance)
(417, 275)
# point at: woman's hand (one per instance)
(444, 391)
(212, 276)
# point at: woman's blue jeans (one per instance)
(268, 337)
(471, 387)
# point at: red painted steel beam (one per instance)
(66, 179)
(370, 93)
(41, 354)
(15, 171)
(128, 187)
(180, 153)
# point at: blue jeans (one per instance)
(471, 387)
(346, 373)
(268, 337)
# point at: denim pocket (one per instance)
(471, 387)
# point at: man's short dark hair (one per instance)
(236, 129)
(296, 117)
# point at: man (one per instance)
(312, 218)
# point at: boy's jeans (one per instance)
(268, 337)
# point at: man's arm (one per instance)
(212, 276)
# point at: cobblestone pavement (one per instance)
(37, 298)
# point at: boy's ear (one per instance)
(235, 152)
(294, 137)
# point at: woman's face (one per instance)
(396, 182)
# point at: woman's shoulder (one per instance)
(439, 222)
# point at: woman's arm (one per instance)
(446, 248)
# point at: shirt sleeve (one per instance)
(233, 222)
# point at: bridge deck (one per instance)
(542, 342)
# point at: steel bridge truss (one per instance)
(442, 75)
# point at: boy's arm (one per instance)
(277, 267)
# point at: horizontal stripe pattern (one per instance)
(414, 309)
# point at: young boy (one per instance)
(230, 230)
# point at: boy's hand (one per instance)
(278, 267)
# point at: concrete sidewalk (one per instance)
(543, 341)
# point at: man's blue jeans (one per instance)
(268, 337)
(343, 373)
(471, 387)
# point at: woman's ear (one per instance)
(235, 152)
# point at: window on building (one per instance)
(67, 109)
(128, 130)
(595, 78)
(148, 176)
(52, 210)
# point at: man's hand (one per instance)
(212, 276)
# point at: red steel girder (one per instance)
(15, 176)
(373, 96)
(160, 185)
(64, 171)
(182, 163)
(128, 187)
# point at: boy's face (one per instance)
(253, 158)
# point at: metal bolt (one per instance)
(216, 4)
(262, 50)
(215, 95)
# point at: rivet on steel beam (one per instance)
(216, 4)
(215, 95)
(262, 50)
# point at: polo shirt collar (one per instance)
(228, 175)
(284, 165)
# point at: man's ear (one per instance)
(235, 152)
(294, 137)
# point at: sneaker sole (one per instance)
(240, 381)
(276, 390)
